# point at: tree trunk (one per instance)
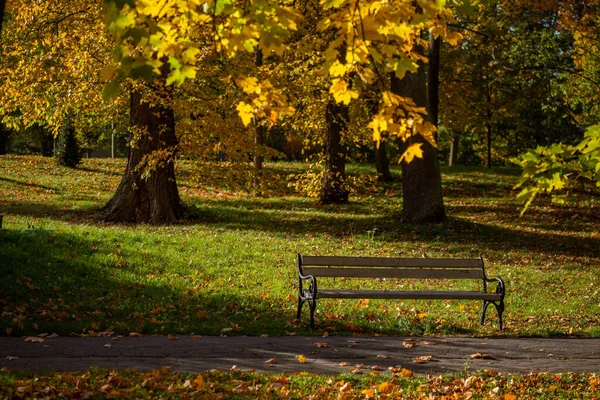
(454, 149)
(333, 188)
(259, 137)
(488, 159)
(433, 80)
(421, 179)
(148, 191)
(382, 163)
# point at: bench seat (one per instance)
(406, 294)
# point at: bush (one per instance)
(68, 152)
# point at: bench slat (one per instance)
(391, 262)
(394, 273)
(395, 294)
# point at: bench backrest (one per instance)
(378, 267)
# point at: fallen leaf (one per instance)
(376, 368)
(301, 358)
(383, 356)
(165, 370)
(271, 361)
(408, 345)
(344, 364)
(225, 330)
(407, 373)
(384, 387)
(199, 382)
(134, 334)
(34, 339)
(172, 337)
(346, 386)
(482, 356)
(108, 345)
(427, 343)
(356, 371)
(423, 359)
(10, 358)
(196, 337)
(321, 344)
(370, 392)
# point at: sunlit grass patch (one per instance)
(230, 266)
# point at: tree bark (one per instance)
(148, 190)
(421, 179)
(333, 187)
(382, 163)
(433, 80)
(259, 137)
(454, 149)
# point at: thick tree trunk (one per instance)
(421, 179)
(148, 191)
(333, 186)
(454, 149)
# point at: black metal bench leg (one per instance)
(313, 306)
(300, 304)
(485, 306)
(500, 309)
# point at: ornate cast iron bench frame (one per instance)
(312, 267)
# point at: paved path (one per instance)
(340, 354)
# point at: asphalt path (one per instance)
(319, 355)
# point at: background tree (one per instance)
(68, 151)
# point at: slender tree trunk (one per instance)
(259, 137)
(382, 162)
(433, 80)
(333, 186)
(454, 149)
(421, 179)
(148, 191)
(488, 160)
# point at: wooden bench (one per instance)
(312, 267)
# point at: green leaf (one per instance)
(111, 89)
(220, 5)
(142, 72)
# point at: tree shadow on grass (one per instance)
(30, 184)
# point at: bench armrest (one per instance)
(500, 287)
(309, 293)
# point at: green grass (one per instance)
(98, 383)
(231, 263)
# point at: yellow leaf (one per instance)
(368, 392)
(301, 358)
(337, 69)
(165, 370)
(341, 92)
(249, 85)
(414, 150)
(199, 382)
(246, 112)
(385, 387)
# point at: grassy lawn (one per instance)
(230, 266)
